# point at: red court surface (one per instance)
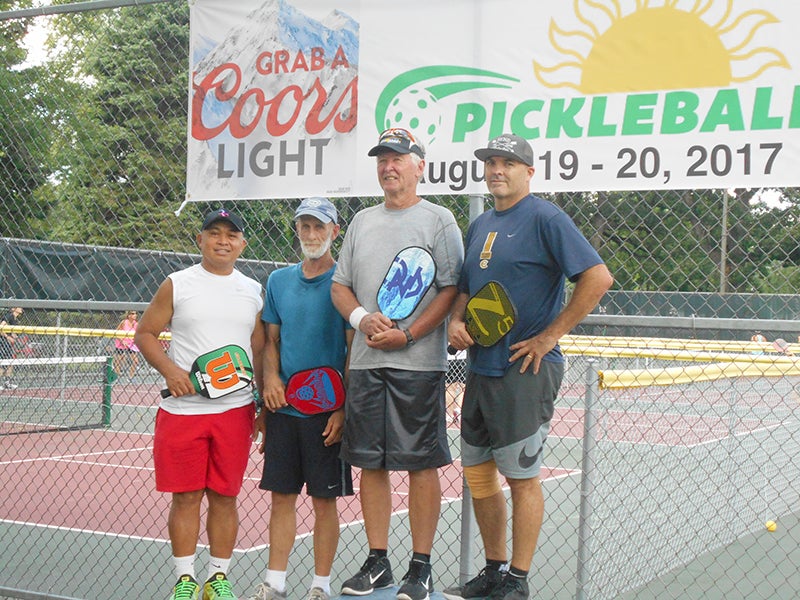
(91, 476)
(89, 490)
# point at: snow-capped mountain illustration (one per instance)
(275, 48)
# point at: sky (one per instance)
(34, 41)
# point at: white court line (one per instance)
(73, 456)
(721, 431)
(87, 531)
(100, 464)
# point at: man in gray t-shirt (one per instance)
(395, 416)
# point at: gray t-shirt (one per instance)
(373, 238)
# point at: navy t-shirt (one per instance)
(529, 248)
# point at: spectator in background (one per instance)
(6, 349)
(758, 337)
(127, 352)
(782, 346)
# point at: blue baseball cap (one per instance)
(321, 208)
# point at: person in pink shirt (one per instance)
(127, 352)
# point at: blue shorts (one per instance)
(508, 418)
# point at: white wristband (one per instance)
(356, 316)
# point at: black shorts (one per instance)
(396, 420)
(294, 454)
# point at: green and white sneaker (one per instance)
(218, 588)
(186, 588)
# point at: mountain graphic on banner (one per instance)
(274, 47)
(277, 25)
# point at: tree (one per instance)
(24, 131)
(124, 82)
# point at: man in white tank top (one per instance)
(201, 446)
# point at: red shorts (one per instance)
(198, 452)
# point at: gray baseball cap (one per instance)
(321, 208)
(508, 145)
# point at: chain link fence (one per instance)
(657, 490)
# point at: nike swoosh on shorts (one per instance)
(526, 461)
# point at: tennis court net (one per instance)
(52, 394)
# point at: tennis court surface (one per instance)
(682, 481)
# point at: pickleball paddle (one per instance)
(489, 315)
(219, 372)
(408, 278)
(314, 391)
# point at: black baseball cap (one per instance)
(508, 145)
(222, 214)
(398, 140)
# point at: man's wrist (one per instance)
(409, 338)
(356, 316)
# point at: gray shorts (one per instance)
(508, 418)
(395, 420)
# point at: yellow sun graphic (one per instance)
(658, 45)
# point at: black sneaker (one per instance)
(374, 574)
(477, 587)
(417, 584)
(512, 588)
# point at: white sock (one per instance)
(184, 565)
(217, 565)
(276, 580)
(322, 582)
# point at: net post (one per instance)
(108, 380)
(587, 480)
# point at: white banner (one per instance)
(287, 96)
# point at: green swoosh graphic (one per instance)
(438, 91)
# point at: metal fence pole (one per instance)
(587, 481)
(467, 570)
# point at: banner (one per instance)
(287, 96)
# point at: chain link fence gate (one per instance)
(686, 465)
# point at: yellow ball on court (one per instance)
(771, 525)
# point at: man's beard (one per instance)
(319, 252)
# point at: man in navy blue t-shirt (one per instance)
(529, 246)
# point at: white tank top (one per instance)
(210, 311)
